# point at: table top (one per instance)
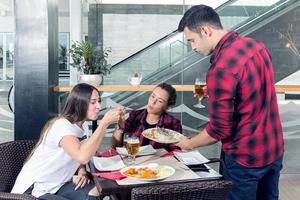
(108, 187)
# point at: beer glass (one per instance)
(199, 85)
(133, 147)
(126, 136)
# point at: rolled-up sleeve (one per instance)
(221, 90)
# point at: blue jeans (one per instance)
(252, 183)
(67, 192)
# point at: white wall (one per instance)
(7, 24)
(127, 34)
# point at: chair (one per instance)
(205, 190)
(12, 157)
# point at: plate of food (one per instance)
(152, 172)
(162, 135)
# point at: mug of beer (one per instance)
(200, 91)
(133, 147)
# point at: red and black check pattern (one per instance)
(242, 101)
(135, 125)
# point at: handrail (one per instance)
(220, 7)
(179, 88)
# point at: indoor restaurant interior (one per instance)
(136, 45)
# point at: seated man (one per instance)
(161, 99)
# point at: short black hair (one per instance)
(171, 91)
(198, 16)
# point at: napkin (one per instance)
(191, 157)
(113, 152)
(108, 163)
(110, 175)
(144, 150)
(171, 153)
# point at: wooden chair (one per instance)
(12, 157)
(202, 190)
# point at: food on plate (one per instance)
(151, 134)
(161, 134)
(165, 135)
(143, 172)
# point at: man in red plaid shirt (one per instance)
(242, 103)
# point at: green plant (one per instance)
(88, 59)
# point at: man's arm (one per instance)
(201, 139)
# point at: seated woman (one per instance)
(61, 150)
(161, 99)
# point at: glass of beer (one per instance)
(133, 147)
(200, 91)
(126, 136)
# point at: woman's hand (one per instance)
(81, 179)
(112, 116)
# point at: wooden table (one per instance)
(111, 187)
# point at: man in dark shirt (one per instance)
(242, 103)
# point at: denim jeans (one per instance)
(252, 183)
(67, 192)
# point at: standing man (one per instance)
(242, 103)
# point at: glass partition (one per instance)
(168, 52)
(6, 70)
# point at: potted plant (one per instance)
(90, 61)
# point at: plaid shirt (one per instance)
(242, 101)
(135, 125)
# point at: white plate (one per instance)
(191, 158)
(108, 163)
(152, 134)
(164, 172)
(144, 150)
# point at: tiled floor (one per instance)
(289, 187)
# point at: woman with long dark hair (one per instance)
(61, 152)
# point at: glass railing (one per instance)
(158, 56)
(174, 61)
(172, 50)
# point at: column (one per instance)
(75, 32)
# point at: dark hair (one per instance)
(77, 102)
(198, 16)
(171, 91)
(75, 109)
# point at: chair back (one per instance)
(202, 190)
(12, 157)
